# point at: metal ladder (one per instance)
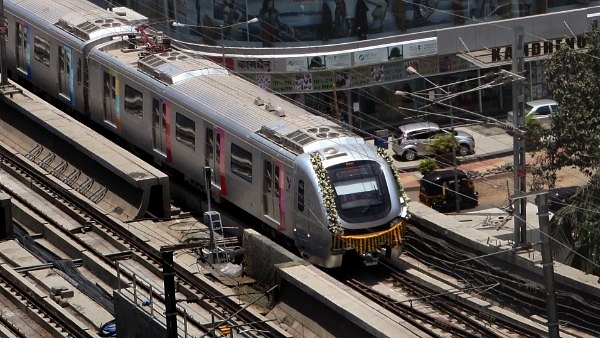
(213, 220)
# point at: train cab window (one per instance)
(360, 190)
(134, 102)
(241, 162)
(185, 131)
(41, 50)
(300, 195)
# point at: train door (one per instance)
(159, 126)
(65, 74)
(110, 98)
(273, 191)
(214, 159)
(301, 224)
(22, 49)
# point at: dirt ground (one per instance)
(494, 190)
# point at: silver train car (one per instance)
(303, 176)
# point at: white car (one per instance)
(541, 110)
(411, 140)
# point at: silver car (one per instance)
(413, 140)
(541, 110)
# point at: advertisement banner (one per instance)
(338, 61)
(365, 57)
(420, 48)
(296, 64)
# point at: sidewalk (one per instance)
(493, 149)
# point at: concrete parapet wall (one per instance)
(262, 255)
(132, 321)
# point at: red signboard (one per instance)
(3, 30)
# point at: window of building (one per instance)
(185, 131)
(241, 162)
(134, 102)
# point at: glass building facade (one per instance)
(349, 58)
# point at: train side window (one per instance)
(134, 102)
(41, 50)
(300, 195)
(241, 162)
(185, 131)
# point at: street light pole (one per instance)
(222, 44)
(411, 69)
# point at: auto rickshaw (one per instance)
(437, 190)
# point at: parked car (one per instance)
(541, 110)
(560, 197)
(412, 140)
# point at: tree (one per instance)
(572, 78)
(442, 147)
(442, 144)
(574, 141)
(427, 165)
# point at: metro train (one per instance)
(322, 187)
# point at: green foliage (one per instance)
(576, 228)
(427, 165)
(533, 132)
(572, 78)
(574, 141)
(442, 144)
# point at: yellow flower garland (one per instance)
(327, 192)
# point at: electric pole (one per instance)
(520, 163)
(548, 265)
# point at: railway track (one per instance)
(490, 280)
(434, 289)
(439, 311)
(23, 315)
(75, 231)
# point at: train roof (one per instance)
(205, 86)
(81, 19)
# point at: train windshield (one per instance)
(359, 187)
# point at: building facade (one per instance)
(349, 58)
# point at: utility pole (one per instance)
(520, 163)
(541, 198)
(547, 264)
